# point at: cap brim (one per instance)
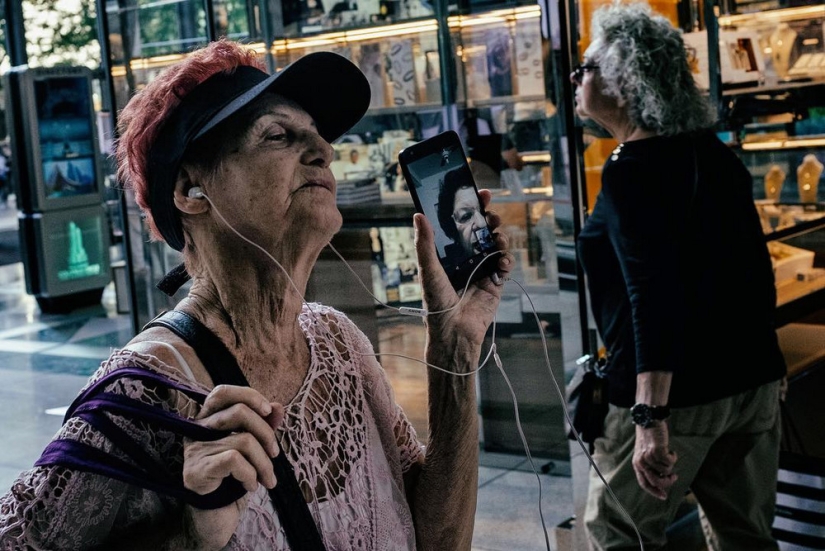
(328, 86)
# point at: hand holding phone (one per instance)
(443, 189)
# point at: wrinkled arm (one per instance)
(653, 461)
(443, 496)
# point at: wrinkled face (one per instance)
(591, 102)
(468, 218)
(273, 181)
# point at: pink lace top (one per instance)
(347, 439)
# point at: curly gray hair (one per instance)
(643, 61)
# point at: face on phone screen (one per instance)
(445, 192)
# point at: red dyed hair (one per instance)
(140, 121)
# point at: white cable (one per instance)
(498, 364)
(524, 443)
(563, 399)
(267, 253)
(414, 311)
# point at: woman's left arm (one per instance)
(653, 460)
(443, 493)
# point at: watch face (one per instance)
(641, 415)
(644, 415)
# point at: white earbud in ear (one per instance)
(196, 193)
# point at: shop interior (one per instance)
(497, 74)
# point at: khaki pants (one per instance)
(728, 454)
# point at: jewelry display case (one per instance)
(770, 94)
(787, 44)
(775, 121)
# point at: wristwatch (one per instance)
(645, 416)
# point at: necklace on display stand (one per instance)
(774, 179)
(782, 41)
(807, 177)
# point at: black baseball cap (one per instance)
(329, 87)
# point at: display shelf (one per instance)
(803, 345)
(377, 214)
(779, 88)
(776, 113)
(810, 217)
(769, 17)
(800, 283)
(801, 142)
(772, 51)
(401, 109)
(789, 291)
(791, 309)
(528, 195)
(503, 100)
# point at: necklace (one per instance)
(615, 154)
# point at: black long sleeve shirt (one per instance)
(678, 271)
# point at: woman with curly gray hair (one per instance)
(683, 295)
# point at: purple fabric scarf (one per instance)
(93, 406)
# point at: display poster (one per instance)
(697, 52)
(401, 72)
(529, 70)
(70, 251)
(740, 58)
(395, 264)
(65, 126)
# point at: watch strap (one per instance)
(644, 415)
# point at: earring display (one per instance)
(782, 42)
(529, 69)
(807, 177)
(401, 73)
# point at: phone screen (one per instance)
(443, 189)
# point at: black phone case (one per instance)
(441, 154)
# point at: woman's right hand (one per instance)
(246, 455)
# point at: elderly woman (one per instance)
(232, 167)
(683, 295)
(459, 215)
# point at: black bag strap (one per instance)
(293, 511)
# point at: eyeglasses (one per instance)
(580, 70)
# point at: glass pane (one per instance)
(232, 18)
(301, 17)
(167, 28)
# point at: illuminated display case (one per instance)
(766, 81)
(772, 87)
(59, 184)
(57, 137)
(67, 252)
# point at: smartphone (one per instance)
(443, 189)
